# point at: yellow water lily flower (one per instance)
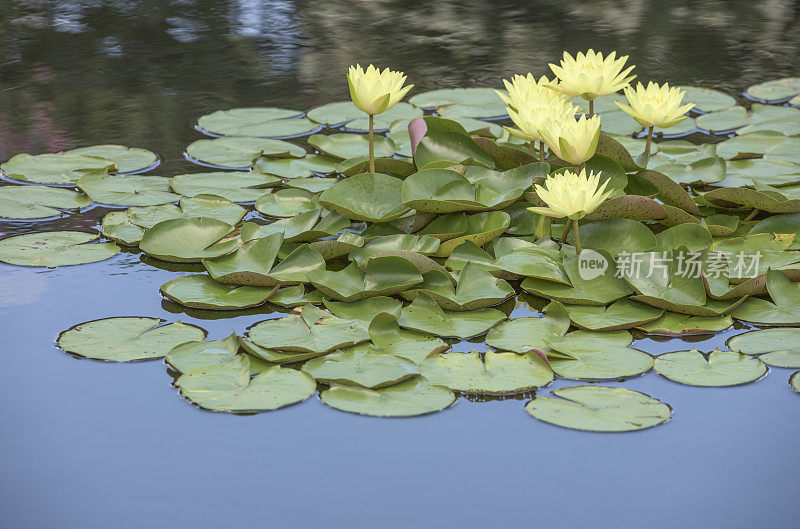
(523, 88)
(375, 91)
(571, 195)
(536, 113)
(589, 75)
(655, 106)
(574, 141)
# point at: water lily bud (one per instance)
(375, 91)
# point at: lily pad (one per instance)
(599, 409)
(127, 339)
(707, 99)
(622, 314)
(496, 373)
(301, 228)
(784, 309)
(344, 244)
(750, 172)
(706, 171)
(672, 323)
(461, 102)
(775, 347)
(406, 399)
(287, 202)
(481, 228)
(387, 337)
(234, 185)
(256, 122)
(240, 153)
(55, 248)
(345, 145)
(117, 226)
(371, 197)
(384, 276)
(360, 367)
(296, 167)
(585, 355)
(126, 159)
(424, 245)
(523, 334)
(775, 91)
(693, 236)
(131, 190)
(617, 236)
(780, 224)
(425, 315)
(345, 112)
(364, 310)
(718, 368)
(36, 202)
(794, 381)
(188, 240)
(58, 168)
(773, 145)
(203, 292)
(228, 387)
(191, 355)
(208, 206)
(476, 289)
(447, 143)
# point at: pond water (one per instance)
(90, 444)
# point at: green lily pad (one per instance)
(784, 309)
(446, 227)
(476, 289)
(127, 339)
(496, 373)
(384, 276)
(126, 159)
(406, 399)
(461, 102)
(345, 112)
(313, 331)
(523, 334)
(345, 145)
(228, 387)
(188, 240)
(301, 228)
(116, 225)
(364, 310)
(296, 167)
(794, 381)
(706, 99)
(36, 202)
(718, 368)
(725, 120)
(622, 314)
(55, 248)
(296, 296)
(775, 91)
(617, 236)
(191, 355)
(586, 355)
(481, 228)
(672, 323)
(58, 168)
(203, 292)
(274, 356)
(693, 236)
(344, 244)
(236, 186)
(256, 122)
(393, 166)
(775, 347)
(773, 145)
(371, 197)
(780, 224)
(599, 409)
(387, 337)
(446, 141)
(361, 367)
(208, 206)
(424, 245)
(425, 315)
(287, 202)
(706, 171)
(240, 153)
(134, 190)
(758, 171)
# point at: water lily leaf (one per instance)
(240, 153)
(669, 191)
(773, 145)
(342, 245)
(461, 102)
(469, 252)
(758, 171)
(406, 399)
(387, 337)
(775, 91)
(672, 323)
(446, 227)
(55, 248)
(611, 147)
(127, 339)
(725, 120)
(131, 190)
(312, 331)
(234, 185)
(364, 310)
(116, 225)
(287, 202)
(622, 314)
(780, 224)
(740, 196)
(384, 276)
(371, 197)
(784, 309)
(707, 99)
(718, 368)
(191, 355)
(361, 367)
(599, 409)
(202, 292)
(256, 122)
(301, 228)
(402, 112)
(785, 120)
(506, 156)
(481, 228)
(599, 362)
(188, 240)
(296, 167)
(496, 373)
(425, 315)
(36, 202)
(424, 245)
(598, 286)
(617, 236)
(275, 356)
(693, 236)
(228, 387)
(312, 185)
(523, 334)
(776, 347)
(58, 168)
(452, 147)
(126, 159)
(632, 207)
(344, 146)
(345, 112)
(794, 381)
(705, 171)
(476, 289)
(360, 164)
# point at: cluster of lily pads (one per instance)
(380, 273)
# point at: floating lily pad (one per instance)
(203, 292)
(36, 202)
(425, 315)
(360, 367)
(476, 289)
(296, 167)
(424, 245)
(191, 355)
(599, 409)
(617, 236)
(384, 276)
(366, 309)
(780, 224)
(360, 164)
(794, 381)
(706, 171)
(523, 334)
(117, 226)
(387, 337)
(723, 121)
(481, 228)
(707, 99)
(287, 202)
(274, 356)
(301, 228)
(131, 190)
(344, 244)
(693, 236)
(188, 240)
(446, 143)
(126, 159)
(672, 323)
(718, 368)
(776, 347)
(55, 248)
(240, 153)
(496, 373)
(58, 168)
(775, 91)
(256, 122)
(228, 387)
(758, 171)
(784, 309)
(234, 185)
(344, 145)
(586, 355)
(773, 145)
(462, 102)
(407, 399)
(312, 331)
(622, 314)
(127, 339)
(345, 112)
(372, 197)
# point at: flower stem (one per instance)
(532, 147)
(649, 140)
(591, 107)
(541, 150)
(567, 227)
(577, 238)
(371, 144)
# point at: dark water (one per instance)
(87, 444)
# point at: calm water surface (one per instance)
(88, 444)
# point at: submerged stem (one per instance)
(541, 150)
(371, 144)
(649, 140)
(577, 238)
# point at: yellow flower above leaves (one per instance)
(574, 141)
(537, 114)
(524, 88)
(375, 91)
(658, 106)
(572, 195)
(590, 75)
